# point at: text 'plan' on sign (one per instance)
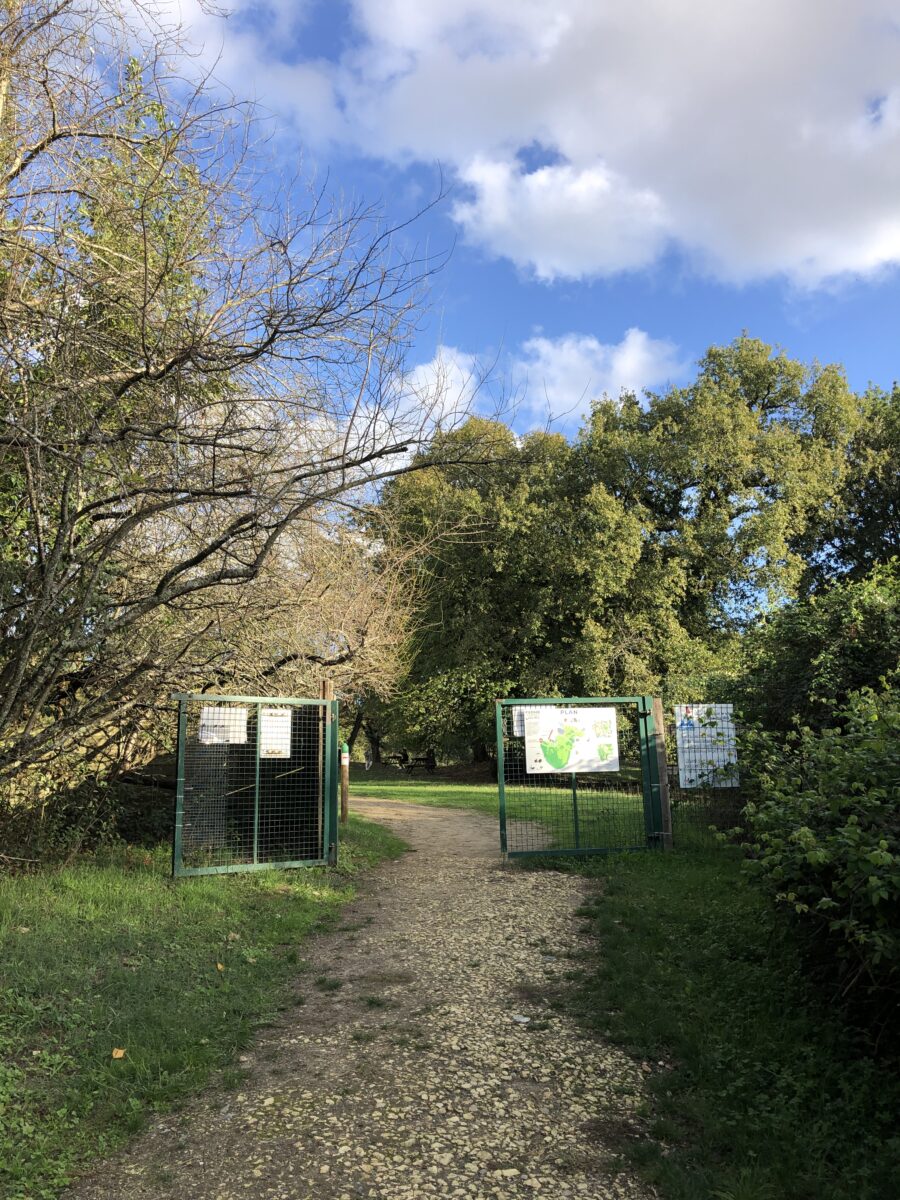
(570, 738)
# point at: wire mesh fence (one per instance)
(256, 783)
(704, 774)
(548, 808)
(701, 815)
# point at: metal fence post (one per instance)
(256, 784)
(345, 783)
(652, 763)
(575, 821)
(330, 781)
(648, 764)
(501, 771)
(179, 787)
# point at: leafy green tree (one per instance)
(511, 580)
(193, 379)
(630, 561)
(861, 527)
(727, 477)
(804, 659)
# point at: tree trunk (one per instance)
(479, 752)
(357, 726)
(374, 742)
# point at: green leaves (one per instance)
(809, 655)
(825, 832)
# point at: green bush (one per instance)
(824, 829)
(806, 656)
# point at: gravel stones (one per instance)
(438, 1069)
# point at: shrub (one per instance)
(824, 829)
(807, 655)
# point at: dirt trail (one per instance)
(419, 1077)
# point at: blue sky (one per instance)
(627, 184)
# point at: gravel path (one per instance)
(419, 1076)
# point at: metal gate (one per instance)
(256, 784)
(613, 800)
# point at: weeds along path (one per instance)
(409, 1071)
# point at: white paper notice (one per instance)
(577, 738)
(222, 725)
(707, 745)
(274, 733)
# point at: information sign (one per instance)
(274, 733)
(575, 738)
(222, 725)
(707, 745)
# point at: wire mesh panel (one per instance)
(257, 783)
(704, 785)
(699, 815)
(577, 775)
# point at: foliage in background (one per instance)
(861, 527)
(197, 381)
(507, 585)
(629, 561)
(824, 837)
(727, 476)
(807, 657)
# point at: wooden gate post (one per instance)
(665, 806)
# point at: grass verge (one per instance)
(768, 1096)
(608, 818)
(387, 783)
(109, 954)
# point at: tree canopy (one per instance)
(197, 380)
(633, 558)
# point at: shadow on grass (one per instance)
(767, 1095)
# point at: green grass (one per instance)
(387, 783)
(611, 819)
(606, 819)
(767, 1096)
(110, 954)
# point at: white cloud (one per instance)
(546, 380)
(558, 377)
(560, 221)
(444, 390)
(756, 136)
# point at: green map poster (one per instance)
(575, 738)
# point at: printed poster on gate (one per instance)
(222, 725)
(706, 743)
(274, 733)
(570, 738)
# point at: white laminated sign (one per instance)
(570, 738)
(222, 725)
(707, 745)
(274, 733)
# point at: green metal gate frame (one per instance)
(649, 762)
(330, 779)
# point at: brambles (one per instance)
(825, 837)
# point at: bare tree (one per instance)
(193, 381)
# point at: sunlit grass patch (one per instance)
(110, 955)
